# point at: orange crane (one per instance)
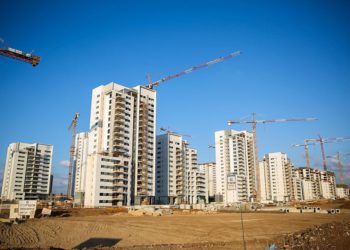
(254, 122)
(322, 141)
(340, 165)
(151, 84)
(20, 55)
(72, 126)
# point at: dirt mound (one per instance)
(335, 235)
(82, 212)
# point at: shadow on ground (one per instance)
(97, 243)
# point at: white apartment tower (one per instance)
(306, 184)
(178, 177)
(80, 163)
(235, 165)
(275, 178)
(313, 184)
(327, 185)
(210, 169)
(121, 147)
(27, 174)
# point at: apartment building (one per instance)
(210, 172)
(80, 165)
(121, 147)
(342, 191)
(327, 185)
(275, 178)
(178, 178)
(27, 174)
(313, 184)
(309, 180)
(235, 165)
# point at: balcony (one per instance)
(118, 197)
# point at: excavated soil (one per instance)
(190, 231)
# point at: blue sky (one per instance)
(295, 63)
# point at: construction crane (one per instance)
(322, 141)
(20, 55)
(306, 149)
(151, 84)
(72, 126)
(254, 122)
(340, 165)
(169, 131)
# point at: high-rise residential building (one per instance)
(27, 174)
(342, 191)
(121, 147)
(327, 185)
(80, 162)
(306, 183)
(275, 178)
(235, 165)
(178, 178)
(210, 169)
(313, 184)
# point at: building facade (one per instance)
(313, 184)
(235, 166)
(342, 191)
(80, 165)
(27, 174)
(210, 170)
(275, 178)
(120, 165)
(179, 180)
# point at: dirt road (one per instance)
(216, 231)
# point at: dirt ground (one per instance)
(187, 231)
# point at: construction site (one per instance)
(149, 227)
(136, 179)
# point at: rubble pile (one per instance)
(335, 235)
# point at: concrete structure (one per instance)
(327, 185)
(342, 191)
(275, 178)
(313, 184)
(309, 180)
(235, 162)
(179, 180)
(121, 147)
(210, 170)
(80, 164)
(27, 171)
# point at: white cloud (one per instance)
(64, 163)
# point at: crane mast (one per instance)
(306, 149)
(338, 157)
(72, 126)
